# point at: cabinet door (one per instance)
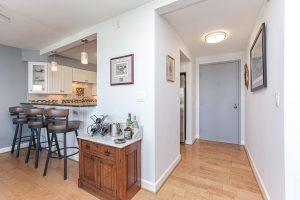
(37, 77)
(88, 168)
(66, 80)
(55, 81)
(107, 177)
(92, 77)
(80, 75)
(94, 89)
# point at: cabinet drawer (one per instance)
(87, 146)
(106, 152)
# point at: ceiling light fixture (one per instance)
(215, 37)
(84, 54)
(54, 67)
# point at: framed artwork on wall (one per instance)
(170, 68)
(122, 70)
(246, 76)
(258, 61)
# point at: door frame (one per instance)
(239, 94)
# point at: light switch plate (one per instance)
(277, 99)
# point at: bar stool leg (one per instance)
(65, 156)
(15, 139)
(48, 137)
(19, 141)
(48, 155)
(37, 149)
(29, 147)
(57, 146)
(76, 133)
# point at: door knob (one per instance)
(235, 106)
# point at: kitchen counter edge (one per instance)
(65, 105)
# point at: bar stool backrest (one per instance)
(34, 113)
(57, 115)
(16, 111)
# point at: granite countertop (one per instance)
(109, 140)
(66, 105)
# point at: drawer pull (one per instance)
(107, 152)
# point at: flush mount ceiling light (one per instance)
(84, 54)
(215, 37)
(54, 67)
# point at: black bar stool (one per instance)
(59, 124)
(19, 119)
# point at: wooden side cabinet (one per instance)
(109, 172)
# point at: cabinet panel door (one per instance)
(37, 77)
(92, 77)
(55, 81)
(80, 75)
(66, 81)
(107, 176)
(89, 168)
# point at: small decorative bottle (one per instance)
(135, 126)
(128, 129)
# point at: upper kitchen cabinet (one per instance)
(60, 81)
(84, 76)
(37, 77)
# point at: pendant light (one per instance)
(84, 54)
(54, 67)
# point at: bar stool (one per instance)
(19, 120)
(36, 122)
(60, 124)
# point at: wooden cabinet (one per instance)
(37, 77)
(109, 172)
(60, 81)
(84, 76)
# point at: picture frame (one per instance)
(246, 76)
(258, 61)
(170, 69)
(122, 70)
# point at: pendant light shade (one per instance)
(84, 54)
(84, 58)
(54, 66)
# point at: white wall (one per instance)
(167, 106)
(264, 122)
(291, 100)
(223, 58)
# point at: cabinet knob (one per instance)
(87, 146)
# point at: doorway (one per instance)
(219, 102)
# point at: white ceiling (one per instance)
(36, 24)
(236, 17)
(75, 52)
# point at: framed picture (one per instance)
(170, 67)
(122, 70)
(246, 76)
(258, 60)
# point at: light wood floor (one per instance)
(208, 170)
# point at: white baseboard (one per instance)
(190, 142)
(154, 187)
(8, 149)
(258, 177)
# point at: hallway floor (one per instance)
(208, 170)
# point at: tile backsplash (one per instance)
(79, 91)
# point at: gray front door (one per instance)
(219, 102)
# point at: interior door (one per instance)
(219, 102)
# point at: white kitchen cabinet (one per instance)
(84, 76)
(94, 89)
(37, 77)
(92, 77)
(60, 81)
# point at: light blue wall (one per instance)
(13, 87)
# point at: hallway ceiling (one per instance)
(36, 24)
(236, 17)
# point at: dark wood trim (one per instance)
(132, 70)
